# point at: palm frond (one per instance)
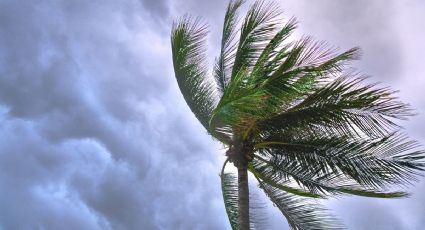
(188, 49)
(254, 97)
(304, 69)
(306, 55)
(232, 110)
(270, 180)
(300, 213)
(228, 45)
(323, 164)
(258, 28)
(229, 189)
(344, 106)
(324, 185)
(272, 53)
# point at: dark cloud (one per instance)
(158, 9)
(92, 136)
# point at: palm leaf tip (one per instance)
(228, 45)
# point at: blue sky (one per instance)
(94, 133)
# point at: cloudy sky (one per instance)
(94, 133)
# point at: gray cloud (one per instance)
(92, 133)
(346, 24)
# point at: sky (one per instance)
(94, 133)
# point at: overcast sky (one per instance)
(94, 133)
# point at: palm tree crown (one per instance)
(294, 114)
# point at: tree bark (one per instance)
(243, 198)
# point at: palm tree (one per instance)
(295, 115)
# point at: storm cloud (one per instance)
(94, 133)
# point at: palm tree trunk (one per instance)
(243, 198)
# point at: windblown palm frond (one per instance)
(376, 164)
(228, 45)
(229, 190)
(259, 26)
(188, 48)
(295, 115)
(260, 90)
(300, 213)
(309, 184)
(344, 106)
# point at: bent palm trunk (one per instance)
(243, 198)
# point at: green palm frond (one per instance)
(228, 45)
(232, 111)
(188, 49)
(322, 186)
(307, 56)
(259, 26)
(363, 167)
(345, 106)
(254, 98)
(300, 213)
(229, 190)
(304, 69)
(279, 184)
